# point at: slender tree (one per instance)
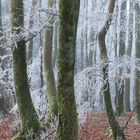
(29, 118)
(86, 33)
(31, 22)
(120, 91)
(49, 74)
(82, 52)
(137, 72)
(54, 54)
(2, 104)
(67, 114)
(116, 129)
(1, 28)
(128, 53)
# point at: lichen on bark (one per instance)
(49, 73)
(29, 119)
(67, 114)
(117, 131)
(137, 54)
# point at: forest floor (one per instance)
(95, 127)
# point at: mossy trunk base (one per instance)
(117, 131)
(28, 116)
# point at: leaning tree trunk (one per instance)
(49, 74)
(116, 129)
(120, 93)
(67, 114)
(29, 119)
(137, 72)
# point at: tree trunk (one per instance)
(68, 125)
(82, 52)
(49, 74)
(86, 35)
(29, 118)
(40, 49)
(31, 22)
(1, 28)
(116, 129)
(127, 107)
(54, 54)
(91, 51)
(2, 102)
(137, 72)
(120, 93)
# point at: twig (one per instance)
(50, 134)
(129, 117)
(34, 35)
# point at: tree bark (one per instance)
(2, 102)
(122, 36)
(49, 74)
(54, 54)
(31, 22)
(116, 129)
(137, 72)
(127, 107)
(67, 114)
(29, 118)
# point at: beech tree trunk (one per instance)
(29, 118)
(127, 107)
(2, 102)
(67, 114)
(49, 74)
(54, 54)
(116, 129)
(122, 36)
(31, 22)
(137, 72)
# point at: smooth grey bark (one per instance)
(122, 37)
(54, 54)
(31, 22)
(82, 52)
(137, 55)
(41, 55)
(127, 107)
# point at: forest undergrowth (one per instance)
(95, 127)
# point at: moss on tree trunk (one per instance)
(116, 129)
(29, 118)
(117, 132)
(137, 54)
(137, 95)
(137, 72)
(52, 97)
(27, 111)
(67, 114)
(49, 73)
